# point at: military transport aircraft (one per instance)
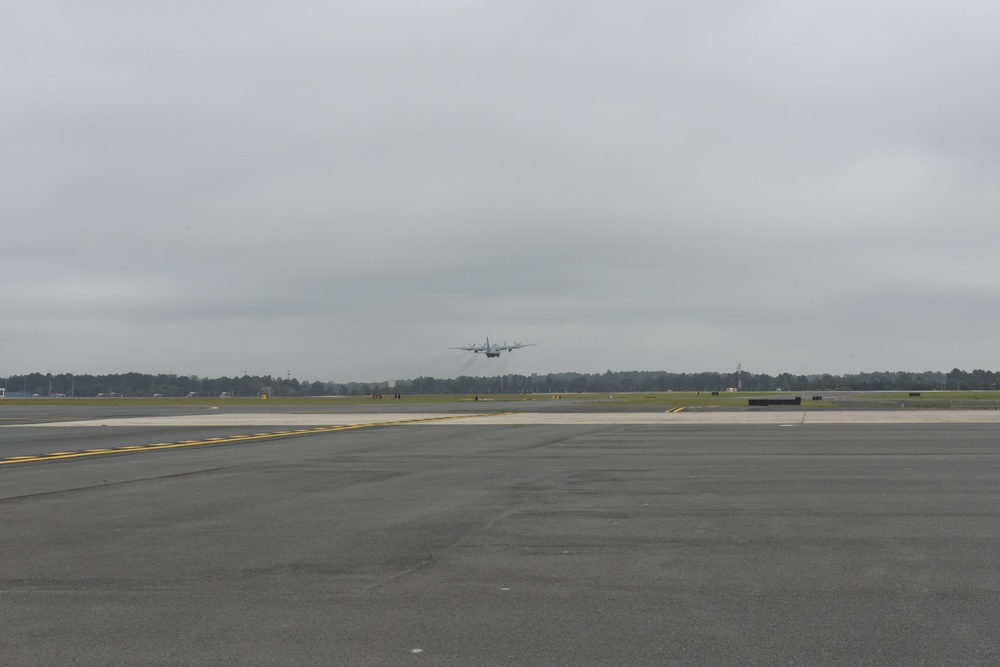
(492, 350)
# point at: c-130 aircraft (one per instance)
(492, 350)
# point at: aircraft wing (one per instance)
(515, 346)
(470, 348)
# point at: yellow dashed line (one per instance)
(53, 456)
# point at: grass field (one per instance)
(616, 401)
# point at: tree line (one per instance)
(659, 381)
(142, 384)
(139, 384)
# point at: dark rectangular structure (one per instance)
(765, 402)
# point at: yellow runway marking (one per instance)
(131, 449)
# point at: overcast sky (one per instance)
(344, 190)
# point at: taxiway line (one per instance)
(131, 449)
(685, 416)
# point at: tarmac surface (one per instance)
(441, 537)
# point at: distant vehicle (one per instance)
(58, 395)
(493, 350)
(192, 394)
(157, 395)
(224, 394)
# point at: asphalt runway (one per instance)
(503, 540)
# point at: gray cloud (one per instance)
(346, 190)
